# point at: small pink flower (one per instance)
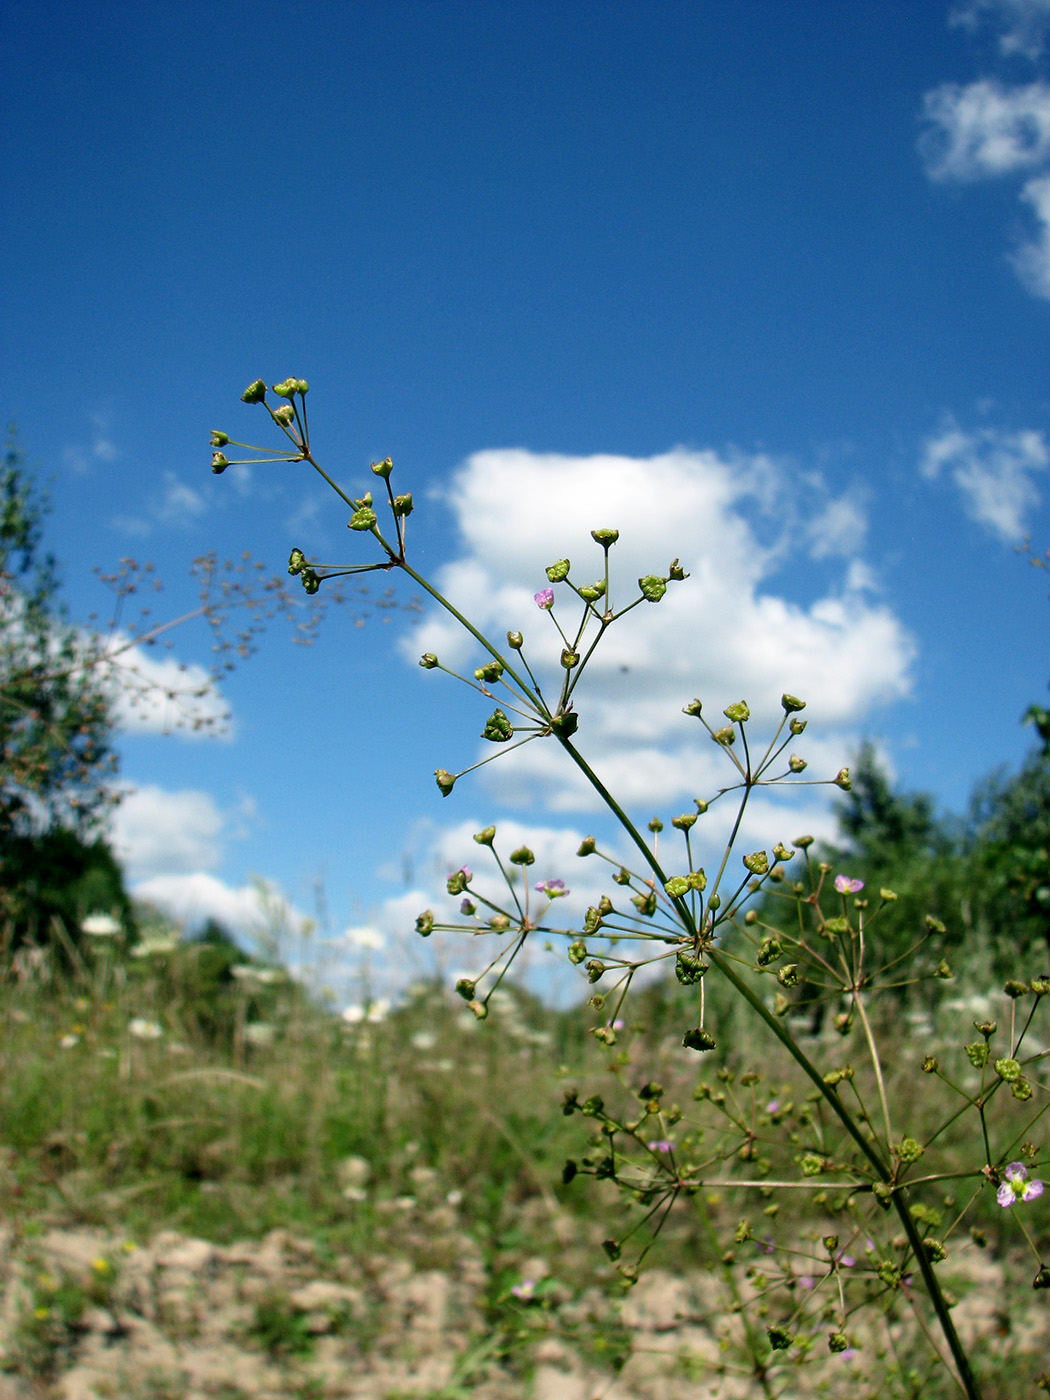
(525, 1290)
(1017, 1187)
(845, 885)
(660, 1145)
(544, 598)
(554, 889)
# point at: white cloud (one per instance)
(839, 529)
(1032, 261)
(993, 471)
(985, 129)
(180, 504)
(1024, 23)
(257, 914)
(723, 634)
(157, 832)
(157, 694)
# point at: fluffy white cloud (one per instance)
(1024, 23)
(1032, 260)
(724, 634)
(154, 693)
(159, 832)
(984, 128)
(993, 471)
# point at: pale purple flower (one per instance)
(524, 1290)
(846, 1260)
(773, 1106)
(616, 1025)
(660, 1145)
(553, 889)
(1017, 1187)
(766, 1245)
(468, 907)
(845, 885)
(544, 598)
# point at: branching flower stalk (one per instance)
(695, 925)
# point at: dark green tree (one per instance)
(55, 720)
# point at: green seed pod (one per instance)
(652, 588)
(725, 736)
(219, 463)
(428, 661)
(757, 862)
(425, 923)
(515, 641)
(445, 780)
(676, 572)
(557, 571)
(499, 923)
(498, 728)
(803, 842)
(490, 672)
(791, 703)
(403, 504)
(587, 846)
(738, 713)
(363, 519)
(219, 439)
(797, 726)
(605, 537)
(285, 415)
(522, 856)
(383, 468)
(466, 988)
(311, 580)
(486, 836)
(796, 764)
(693, 708)
(286, 389)
(577, 952)
(699, 1039)
(841, 780)
(570, 659)
(684, 822)
(296, 561)
(255, 393)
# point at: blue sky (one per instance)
(767, 286)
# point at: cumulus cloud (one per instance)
(1032, 259)
(157, 832)
(1024, 24)
(983, 129)
(158, 694)
(993, 470)
(725, 633)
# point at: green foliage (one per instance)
(55, 722)
(59, 874)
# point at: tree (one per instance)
(55, 718)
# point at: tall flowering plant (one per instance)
(833, 1136)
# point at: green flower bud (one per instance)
(838, 1341)
(725, 736)
(676, 887)
(255, 393)
(296, 561)
(302, 386)
(286, 389)
(781, 851)
(1040, 985)
(577, 952)
(797, 726)
(587, 846)
(779, 1338)
(930, 1064)
(486, 836)
(591, 592)
(366, 500)
(499, 923)
(841, 780)
(1042, 1280)
(676, 572)
(363, 519)
(605, 537)
(522, 856)
(445, 781)
(693, 708)
(684, 822)
(977, 1053)
(688, 968)
(498, 728)
(515, 641)
(490, 672)
(219, 463)
(652, 588)
(558, 571)
(738, 713)
(757, 862)
(457, 881)
(403, 504)
(942, 970)
(910, 1150)
(701, 805)
(605, 906)
(466, 988)
(425, 923)
(1008, 1069)
(887, 896)
(803, 842)
(285, 415)
(934, 924)
(569, 658)
(1014, 989)
(787, 976)
(595, 970)
(796, 764)
(792, 703)
(645, 904)
(311, 580)
(383, 468)
(768, 952)
(428, 661)
(698, 1039)
(219, 439)
(1021, 1089)
(566, 723)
